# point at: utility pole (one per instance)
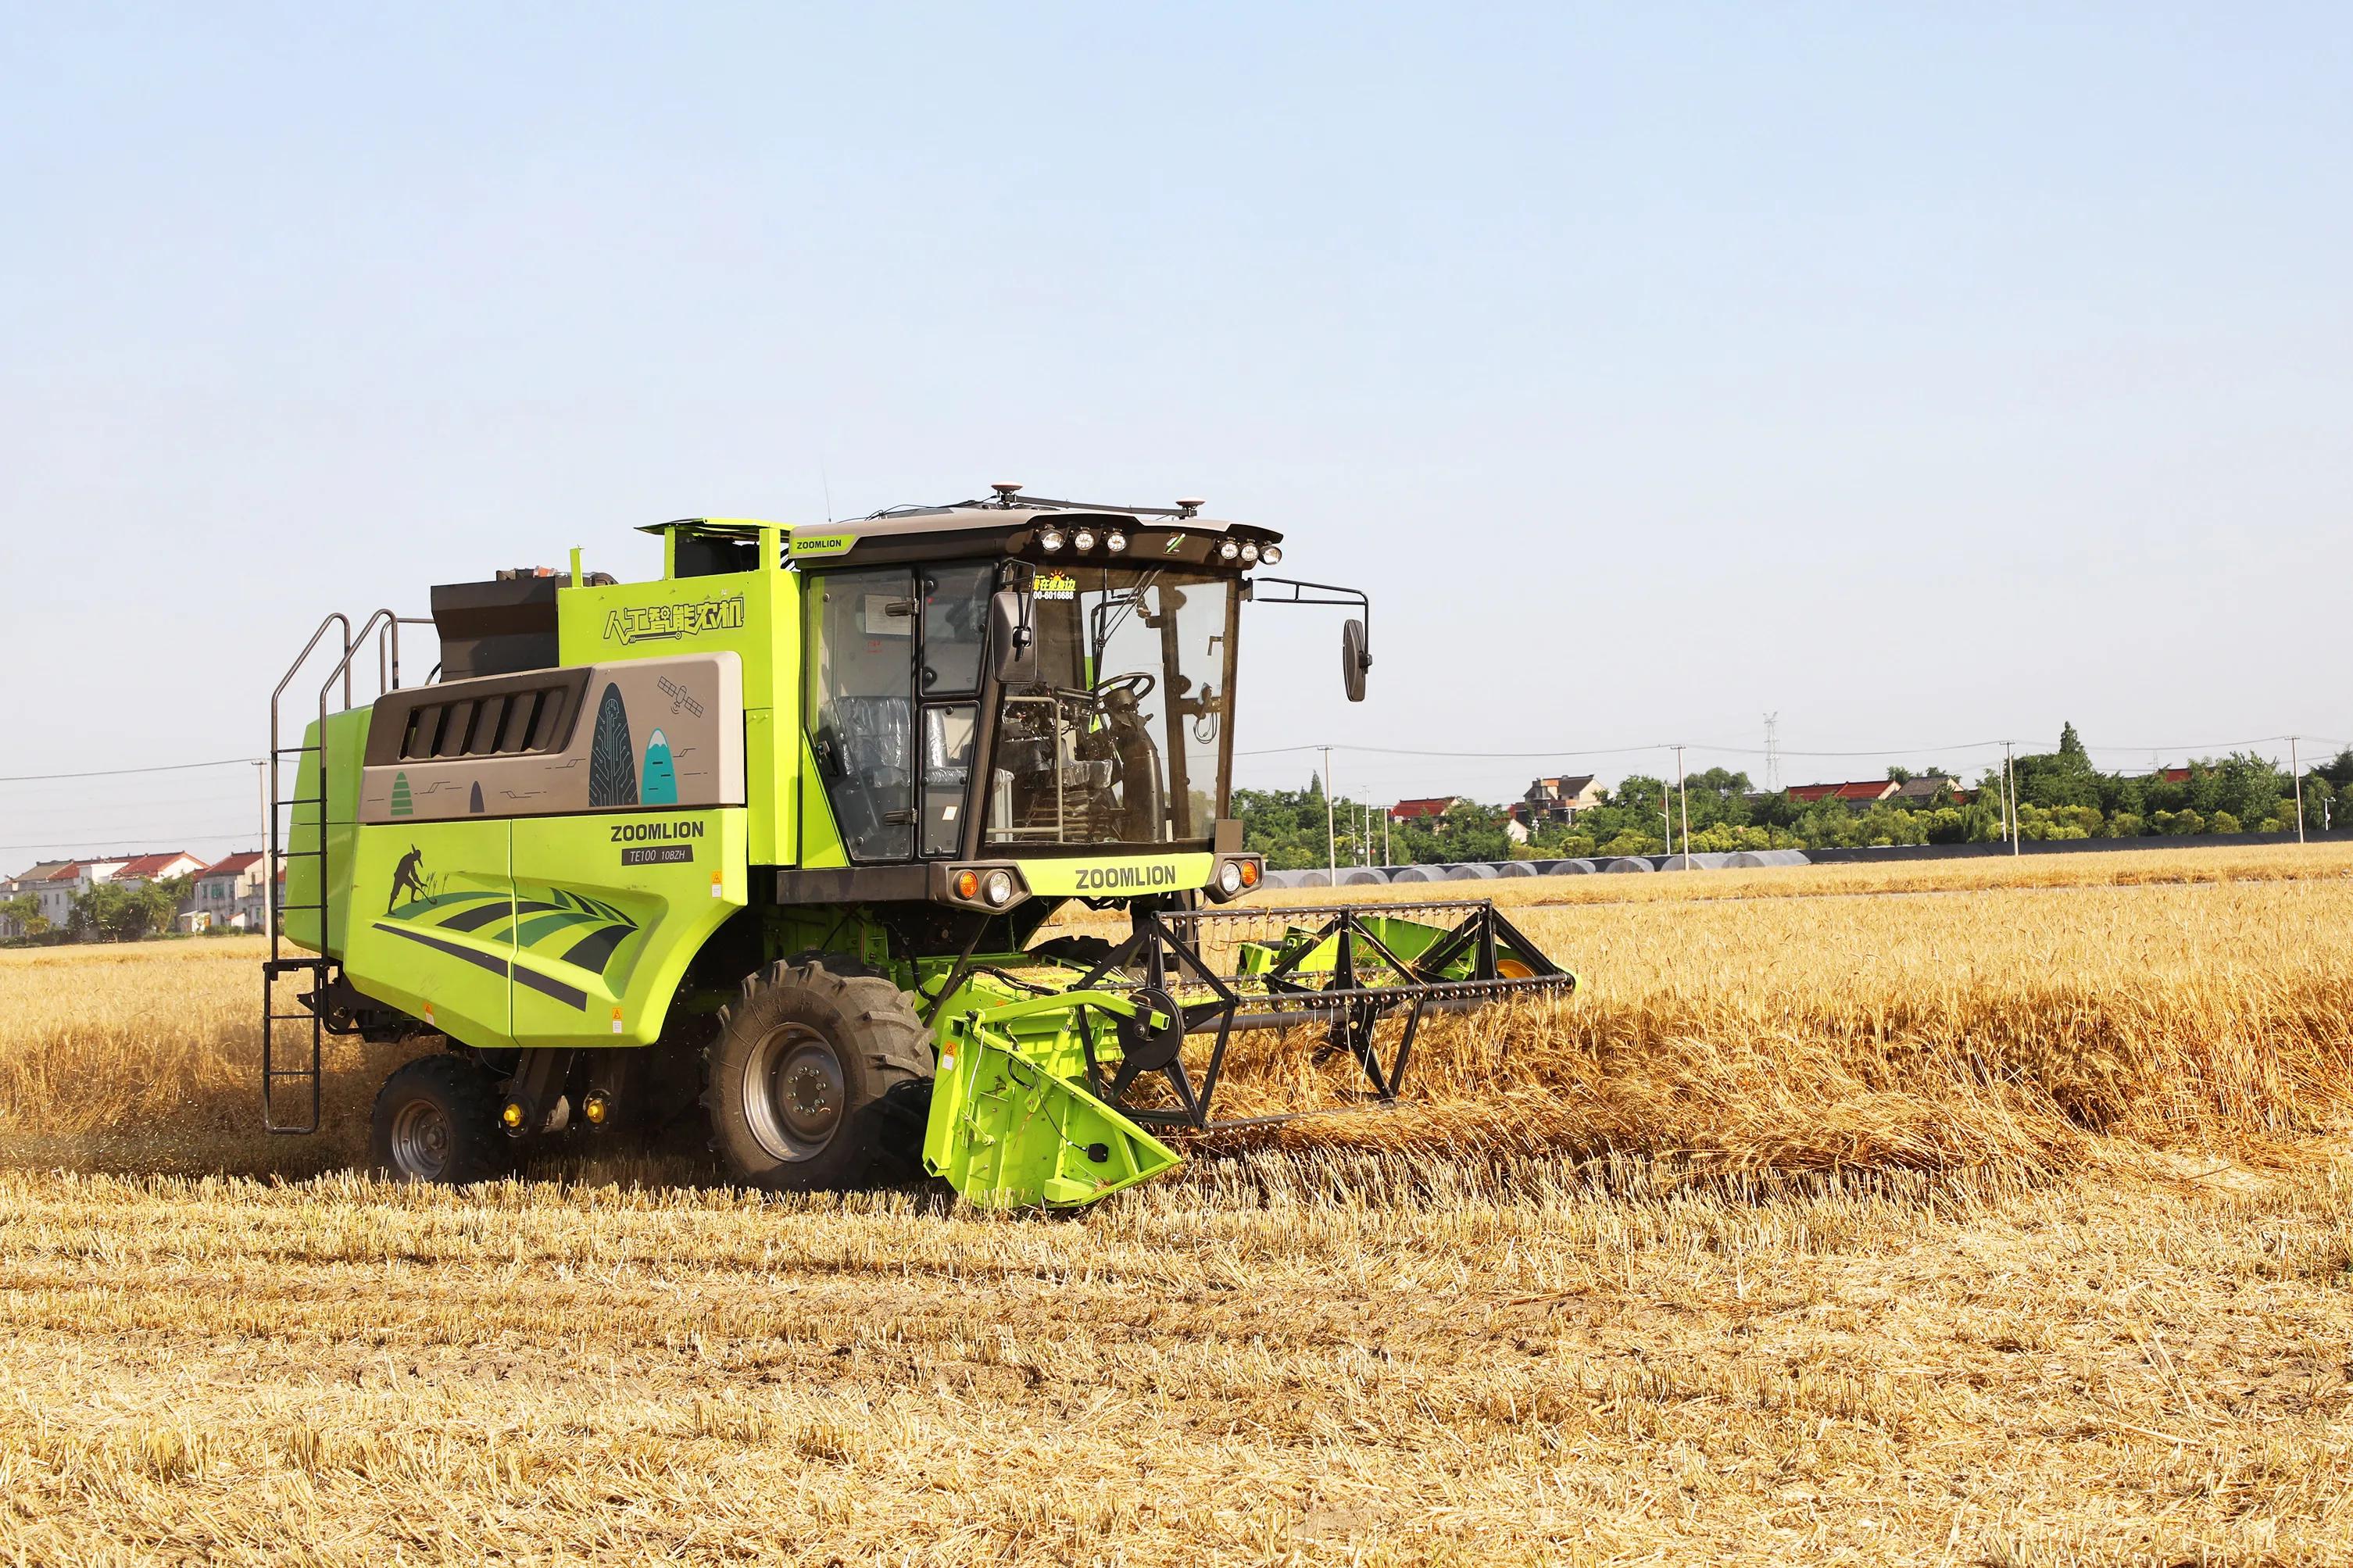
(1388, 850)
(1667, 813)
(1683, 789)
(1331, 838)
(2296, 772)
(1773, 753)
(2010, 791)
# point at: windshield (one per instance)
(1122, 739)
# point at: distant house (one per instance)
(58, 883)
(1420, 810)
(1856, 796)
(1560, 799)
(142, 869)
(232, 892)
(1920, 793)
(1516, 822)
(39, 882)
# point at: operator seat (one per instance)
(862, 746)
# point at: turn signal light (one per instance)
(967, 884)
(510, 1115)
(596, 1108)
(1250, 873)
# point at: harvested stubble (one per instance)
(1993, 1225)
(1355, 1361)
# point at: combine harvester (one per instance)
(773, 835)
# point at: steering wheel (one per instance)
(1139, 683)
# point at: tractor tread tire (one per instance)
(469, 1098)
(882, 1046)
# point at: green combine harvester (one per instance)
(767, 843)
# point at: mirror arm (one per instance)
(1301, 592)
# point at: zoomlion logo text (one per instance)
(626, 831)
(663, 623)
(1095, 878)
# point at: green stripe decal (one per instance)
(410, 911)
(532, 930)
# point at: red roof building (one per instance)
(1434, 806)
(156, 868)
(1863, 793)
(233, 865)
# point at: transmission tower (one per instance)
(1772, 754)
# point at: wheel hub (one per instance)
(420, 1141)
(794, 1092)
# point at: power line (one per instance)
(245, 832)
(118, 773)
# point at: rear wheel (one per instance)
(436, 1120)
(815, 1079)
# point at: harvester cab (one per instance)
(770, 839)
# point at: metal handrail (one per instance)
(388, 673)
(269, 903)
(384, 627)
(391, 624)
(272, 913)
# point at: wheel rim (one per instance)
(794, 1092)
(420, 1141)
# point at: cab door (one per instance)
(860, 707)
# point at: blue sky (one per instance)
(1927, 374)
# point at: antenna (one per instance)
(1772, 754)
(824, 479)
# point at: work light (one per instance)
(1084, 539)
(1228, 549)
(1114, 542)
(1272, 555)
(1050, 540)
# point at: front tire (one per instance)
(811, 1081)
(436, 1120)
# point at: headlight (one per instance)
(1050, 540)
(1230, 878)
(1272, 555)
(1228, 549)
(1114, 542)
(998, 887)
(1083, 539)
(1250, 555)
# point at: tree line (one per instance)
(105, 911)
(2060, 794)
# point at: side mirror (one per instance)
(1353, 659)
(1012, 642)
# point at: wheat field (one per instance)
(1952, 1213)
